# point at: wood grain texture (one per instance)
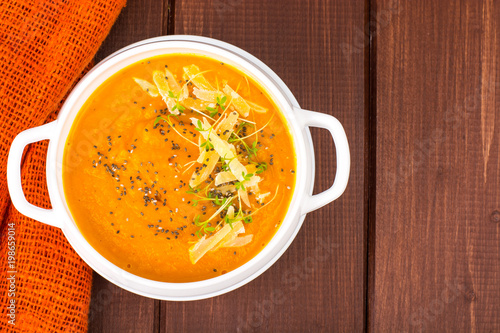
(437, 234)
(113, 309)
(139, 20)
(307, 44)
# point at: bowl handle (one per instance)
(321, 120)
(24, 138)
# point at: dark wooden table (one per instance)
(414, 242)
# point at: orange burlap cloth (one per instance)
(44, 47)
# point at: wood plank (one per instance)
(113, 309)
(437, 232)
(301, 41)
(140, 19)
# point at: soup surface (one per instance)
(179, 168)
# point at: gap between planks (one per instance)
(371, 158)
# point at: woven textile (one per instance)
(52, 284)
(44, 47)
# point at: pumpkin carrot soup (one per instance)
(179, 168)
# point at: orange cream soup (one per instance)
(126, 174)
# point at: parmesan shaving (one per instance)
(163, 89)
(237, 228)
(209, 163)
(196, 104)
(224, 177)
(197, 78)
(262, 196)
(181, 93)
(206, 95)
(200, 141)
(226, 126)
(230, 212)
(225, 189)
(244, 196)
(239, 241)
(253, 181)
(255, 188)
(256, 107)
(206, 124)
(172, 83)
(200, 248)
(238, 102)
(203, 153)
(150, 88)
(238, 169)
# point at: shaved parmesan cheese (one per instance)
(237, 168)
(257, 107)
(172, 82)
(180, 92)
(200, 248)
(197, 78)
(210, 161)
(253, 181)
(225, 127)
(203, 153)
(206, 124)
(163, 89)
(197, 105)
(237, 101)
(225, 189)
(184, 93)
(150, 88)
(230, 212)
(262, 196)
(206, 95)
(255, 189)
(237, 229)
(244, 197)
(239, 241)
(224, 177)
(161, 83)
(200, 141)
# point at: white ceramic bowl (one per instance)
(298, 120)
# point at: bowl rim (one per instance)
(243, 274)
